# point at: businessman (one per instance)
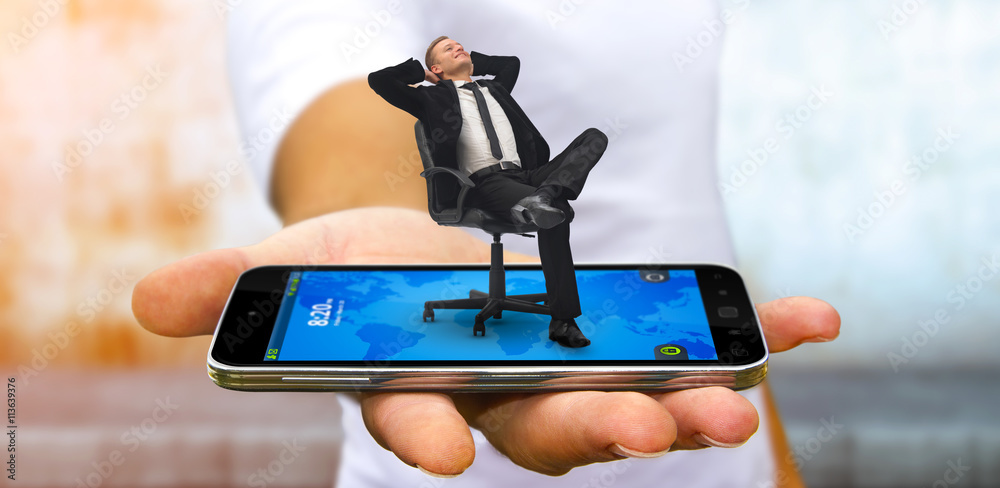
(486, 135)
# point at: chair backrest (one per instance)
(442, 193)
(423, 145)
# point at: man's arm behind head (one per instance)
(393, 84)
(503, 68)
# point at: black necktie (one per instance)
(484, 112)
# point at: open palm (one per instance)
(549, 433)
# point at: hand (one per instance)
(550, 433)
(431, 77)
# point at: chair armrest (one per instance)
(465, 183)
(462, 178)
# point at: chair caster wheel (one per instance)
(428, 314)
(498, 315)
(479, 329)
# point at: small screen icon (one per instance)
(671, 352)
(729, 312)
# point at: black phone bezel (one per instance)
(248, 320)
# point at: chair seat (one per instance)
(491, 223)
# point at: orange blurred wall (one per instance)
(113, 117)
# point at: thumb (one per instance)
(187, 297)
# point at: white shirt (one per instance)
(474, 150)
(652, 198)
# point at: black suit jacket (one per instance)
(437, 106)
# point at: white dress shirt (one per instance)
(474, 151)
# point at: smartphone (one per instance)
(355, 328)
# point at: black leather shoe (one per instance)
(537, 209)
(567, 333)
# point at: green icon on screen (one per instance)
(671, 352)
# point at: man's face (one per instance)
(451, 58)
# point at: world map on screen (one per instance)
(376, 316)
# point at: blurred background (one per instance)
(116, 115)
(858, 162)
(857, 159)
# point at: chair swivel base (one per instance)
(489, 306)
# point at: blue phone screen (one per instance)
(378, 316)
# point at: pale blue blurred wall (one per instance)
(894, 82)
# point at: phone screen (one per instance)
(377, 316)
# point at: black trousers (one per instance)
(499, 191)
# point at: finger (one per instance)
(710, 417)
(556, 432)
(423, 430)
(788, 322)
(187, 297)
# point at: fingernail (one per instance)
(623, 451)
(710, 442)
(819, 339)
(436, 475)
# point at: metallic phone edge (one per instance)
(654, 378)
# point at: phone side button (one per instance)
(327, 380)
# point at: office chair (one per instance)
(446, 192)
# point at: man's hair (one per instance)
(429, 58)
